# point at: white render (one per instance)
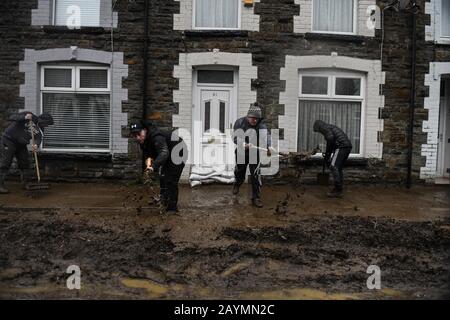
(184, 95)
(303, 22)
(433, 30)
(431, 126)
(371, 147)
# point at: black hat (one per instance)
(136, 127)
(45, 120)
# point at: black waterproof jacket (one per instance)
(260, 129)
(158, 145)
(18, 133)
(335, 137)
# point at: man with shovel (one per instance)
(338, 145)
(250, 134)
(164, 152)
(15, 139)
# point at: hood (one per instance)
(319, 126)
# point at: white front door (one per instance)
(214, 113)
(444, 133)
(215, 108)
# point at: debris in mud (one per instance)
(282, 206)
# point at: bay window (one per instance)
(333, 97)
(78, 98)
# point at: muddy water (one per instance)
(300, 246)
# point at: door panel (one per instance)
(215, 110)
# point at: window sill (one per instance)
(75, 156)
(82, 30)
(333, 36)
(215, 33)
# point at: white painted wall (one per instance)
(289, 98)
(431, 126)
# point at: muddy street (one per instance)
(301, 245)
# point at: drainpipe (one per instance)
(413, 92)
(144, 68)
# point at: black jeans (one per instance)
(8, 151)
(338, 160)
(170, 177)
(239, 175)
(168, 182)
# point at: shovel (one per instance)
(36, 186)
(323, 178)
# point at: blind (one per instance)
(216, 13)
(89, 11)
(333, 15)
(445, 21)
(82, 121)
(346, 115)
(93, 78)
(58, 78)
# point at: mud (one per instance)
(301, 245)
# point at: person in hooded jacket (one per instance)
(168, 154)
(338, 149)
(15, 139)
(250, 132)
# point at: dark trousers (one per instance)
(340, 156)
(239, 175)
(168, 182)
(8, 151)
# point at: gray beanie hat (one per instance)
(254, 111)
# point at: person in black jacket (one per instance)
(338, 145)
(15, 139)
(250, 132)
(168, 154)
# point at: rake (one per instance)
(33, 186)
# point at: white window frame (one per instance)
(194, 10)
(108, 77)
(43, 87)
(331, 96)
(54, 16)
(355, 21)
(76, 89)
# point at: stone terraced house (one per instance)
(372, 67)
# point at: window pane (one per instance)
(89, 12)
(215, 76)
(333, 15)
(207, 115)
(222, 117)
(58, 78)
(216, 13)
(445, 20)
(345, 115)
(314, 85)
(82, 121)
(348, 86)
(93, 78)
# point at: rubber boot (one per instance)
(236, 189)
(3, 189)
(257, 203)
(22, 180)
(335, 193)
